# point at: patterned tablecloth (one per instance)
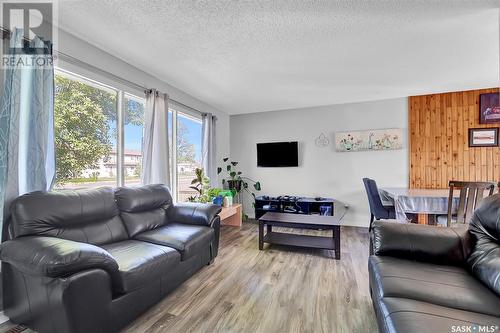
(418, 201)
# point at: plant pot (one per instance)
(235, 185)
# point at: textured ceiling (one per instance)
(252, 56)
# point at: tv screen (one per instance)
(278, 154)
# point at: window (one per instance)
(133, 137)
(188, 148)
(85, 133)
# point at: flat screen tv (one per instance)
(278, 154)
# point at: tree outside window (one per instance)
(85, 118)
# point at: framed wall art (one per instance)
(383, 139)
(483, 137)
(489, 108)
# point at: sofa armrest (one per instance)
(194, 213)
(55, 257)
(425, 243)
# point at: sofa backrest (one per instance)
(484, 260)
(143, 208)
(89, 216)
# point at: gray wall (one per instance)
(323, 171)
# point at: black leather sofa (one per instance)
(92, 261)
(431, 279)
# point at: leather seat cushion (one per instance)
(186, 238)
(446, 286)
(140, 263)
(411, 316)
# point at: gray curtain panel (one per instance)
(209, 149)
(155, 150)
(27, 157)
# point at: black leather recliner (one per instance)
(431, 279)
(94, 260)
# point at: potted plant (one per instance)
(235, 180)
(234, 184)
(201, 184)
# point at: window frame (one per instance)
(122, 92)
(120, 109)
(176, 113)
(97, 85)
(137, 99)
(85, 80)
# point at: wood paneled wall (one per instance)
(438, 138)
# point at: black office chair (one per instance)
(377, 209)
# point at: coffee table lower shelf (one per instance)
(299, 221)
(316, 242)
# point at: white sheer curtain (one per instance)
(155, 151)
(209, 149)
(27, 157)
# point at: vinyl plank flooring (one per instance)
(279, 289)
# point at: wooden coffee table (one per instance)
(300, 221)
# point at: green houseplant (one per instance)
(201, 184)
(235, 180)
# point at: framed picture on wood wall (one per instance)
(489, 108)
(483, 137)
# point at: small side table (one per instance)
(231, 215)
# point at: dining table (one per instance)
(409, 202)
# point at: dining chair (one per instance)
(377, 209)
(471, 194)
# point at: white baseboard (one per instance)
(3, 317)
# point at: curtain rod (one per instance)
(5, 34)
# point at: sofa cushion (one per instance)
(140, 263)
(185, 238)
(484, 261)
(412, 316)
(447, 286)
(143, 208)
(88, 216)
